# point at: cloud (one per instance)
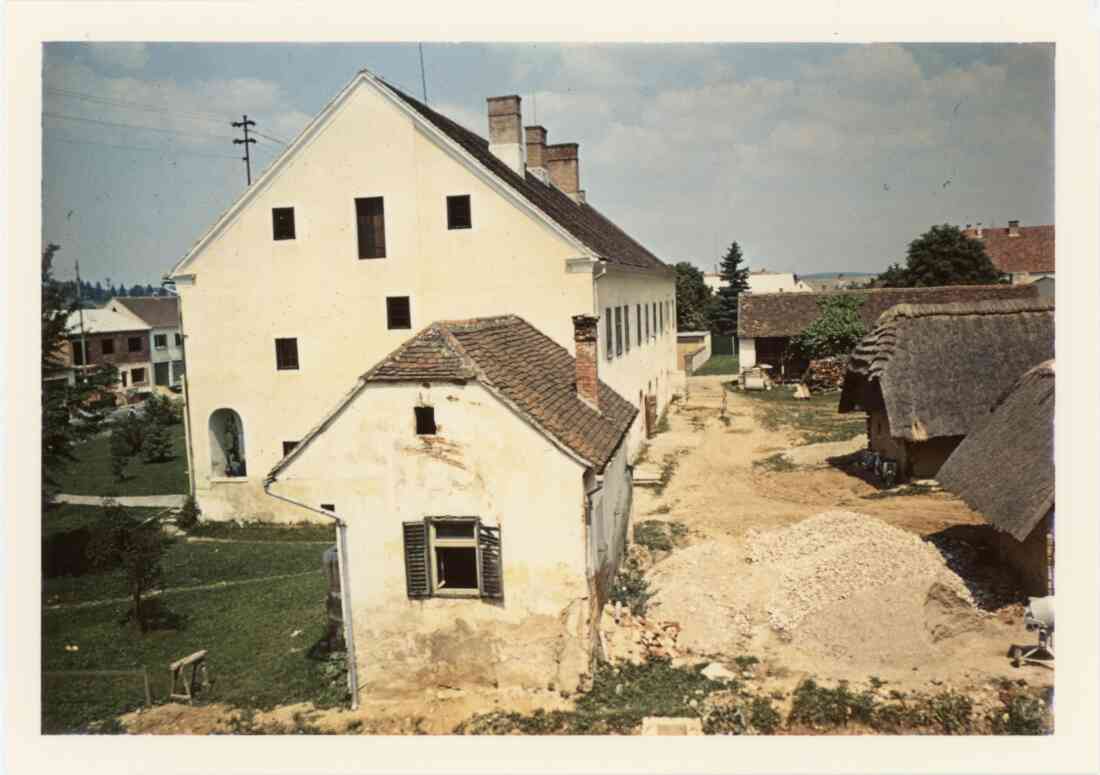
(128, 56)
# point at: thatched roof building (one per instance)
(935, 370)
(1005, 467)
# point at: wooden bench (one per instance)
(197, 663)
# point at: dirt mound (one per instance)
(177, 719)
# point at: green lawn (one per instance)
(63, 517)
(816, 418)
(254, 660)
(718, 364)
(90, 473)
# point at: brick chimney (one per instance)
(536, 152)
(506, 136)
(587, 339)
(1014, 228)
(564, 168)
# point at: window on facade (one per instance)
(227, 453)
(137, 376)
(371, 223)
(398, 314)
(282, 223)
(179, 340)
(618, 331)
(286, 354)
(609, 344)
(458, 212)
(329, 507)
(425, 420)
(178, 371)
(638, 315)
(647, 322)
(288, 447)
(661, 310)
(122, 375)
(626, 327)
(654, 306)
(133, 344)
(107, 346)
(160, 341)
(161, 373)
(452, 556)
(78, 353)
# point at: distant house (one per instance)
(928, 373)
(761, 281)
(482, 472)
(693, 349)
(767, 321)
(116, 336)
(1024, 253)
(1005, 470)
(162, 315)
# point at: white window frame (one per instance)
(434, 542)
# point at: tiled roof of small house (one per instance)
(937, 368)
(1005, 468)
(157, 311)
(787, 314)
(526, 369)
(1031, 250)
(582, 220)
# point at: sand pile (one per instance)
(841, 556)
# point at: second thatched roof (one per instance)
(936, 369)
(1005, 468)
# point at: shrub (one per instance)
(157, 445)
(816, 706)
(163, 410)
(631, 589)
(132, 429)
(189, 514)
(1022, 715)
(836, 331)
(138, 545)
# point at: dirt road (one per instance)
(711, 456)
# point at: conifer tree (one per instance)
(736, 278)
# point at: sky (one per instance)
(813, 158)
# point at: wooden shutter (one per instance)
(488, 544)
(418, 569)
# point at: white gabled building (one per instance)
(380, 217)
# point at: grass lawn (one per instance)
(90, 473)
(718, 364)
(816, 419)
(63, 517)
(254, 659)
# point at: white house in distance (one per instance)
(380, 217)
(100, 336)
(161, 313)
(481, 472)
(761, 281)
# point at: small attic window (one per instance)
(425, 420)
(282, 221)
(458, 212)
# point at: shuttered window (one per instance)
(609, 346)
(371, 222)
(638, 315)
(626, 327)
(618, 331)
(452, 557)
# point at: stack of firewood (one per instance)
(825, 374)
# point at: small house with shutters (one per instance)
(482, 475)
(928, 373)
(1005, 471)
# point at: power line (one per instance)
(165, 151)
(201, 116)
(135, 126)
(243, 125)
(269, 137)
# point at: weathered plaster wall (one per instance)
(485, 461)
(610, 522)
(249, 289)
(746, 352)
(1028, 558)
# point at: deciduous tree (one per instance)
(694, 301)
(943, 255)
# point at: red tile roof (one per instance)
(1031, 251)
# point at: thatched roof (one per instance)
(936, 369)
(787, 314)
(1005, 468)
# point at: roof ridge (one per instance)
(951, 308)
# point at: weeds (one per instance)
(631, 589)
(777, 463)
(658, 535)
(817, 707)
(668, 468)
(1022, 715)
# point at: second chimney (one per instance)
(506, 137)
(564, 168)
(536, 152)
(587, 339)
(1014, 228)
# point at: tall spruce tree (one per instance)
(70, 413)
(736, 278)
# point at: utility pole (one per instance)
(244, 124)
(80, 311)
(423, 78)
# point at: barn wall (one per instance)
(1028, 558)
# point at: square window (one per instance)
(133, 344)
(452, 557)
(282, 223)
(371, 225)
(398, 313)
(107, 346)
(160, 341)
(288, 447)
(286, 354)
(137, 376)
(456, 568)
(425, 420)
(458, 212)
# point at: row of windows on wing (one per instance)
(398, 316)
(133, 345)
(370, 218)
(651, 320)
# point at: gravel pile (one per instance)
(839, 555)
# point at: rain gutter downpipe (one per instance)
(345, 585)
